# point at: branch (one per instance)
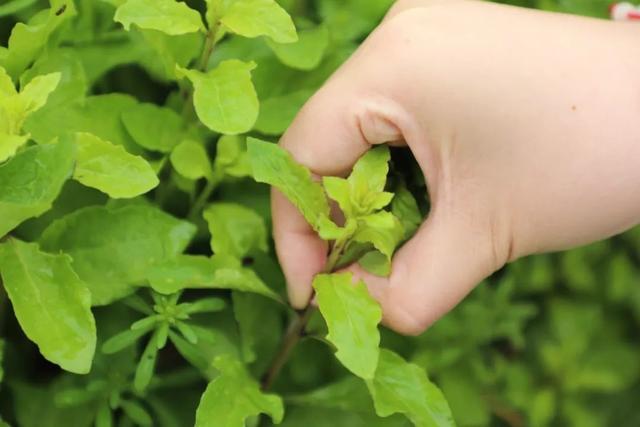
(297, 327)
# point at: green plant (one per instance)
(135, 250)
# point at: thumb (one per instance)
(432, 272)
(352, 111)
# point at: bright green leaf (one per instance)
(369, 174)
(154, 128)
(275, 166)
(16, 107)
(235, 230)
(362, 193)
(6, 84)
(52, 305)
(31, 181)
(200, 272)
(234, 396)
(382, 229)
(352, 317)
(339, 190)
(307, 52)
(224, 98)
(191, 160)
(401, 387)
(34, 95)
(169, 16)
(73, 81)
(113, 248)
(9, 144)
(110, 169)
(231, 156)
(253, 18)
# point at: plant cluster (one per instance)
(139, 284)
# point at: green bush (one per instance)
(140, 285)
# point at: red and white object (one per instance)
(625, 11)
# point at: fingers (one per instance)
(431, 273)
(331, 132)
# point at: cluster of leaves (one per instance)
(135, 251)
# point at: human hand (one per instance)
(524, 123)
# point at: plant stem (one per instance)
(202, 198)
(297, 327)
(290, 340)
(203, 61)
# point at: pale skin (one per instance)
(525, 124)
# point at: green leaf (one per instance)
(234, 396)
(154, 128)
(28, 40)
(6, 84)
(203, 305)
(401, 387)
(200, 272)
(255, 315)
(169, 16)
(405, 208)
(147, 365)
(277, 113)
(224, 98)
(111, 169)
(349, 393)
(191, 160)
(113, 248)
(9, 144)
(125, 339)
(16, 107)
(275, 166)
(254, 18)
(339, 190)
(352, 317)
(212, 342)
(31, 181)
(99, 115)
(35, 94)
(382, 229)
(363, 192)
(376, 263)
(73, 81)
(235, 230)
(52, 305)
(231, 156)
(136, 413)
(307, 52)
